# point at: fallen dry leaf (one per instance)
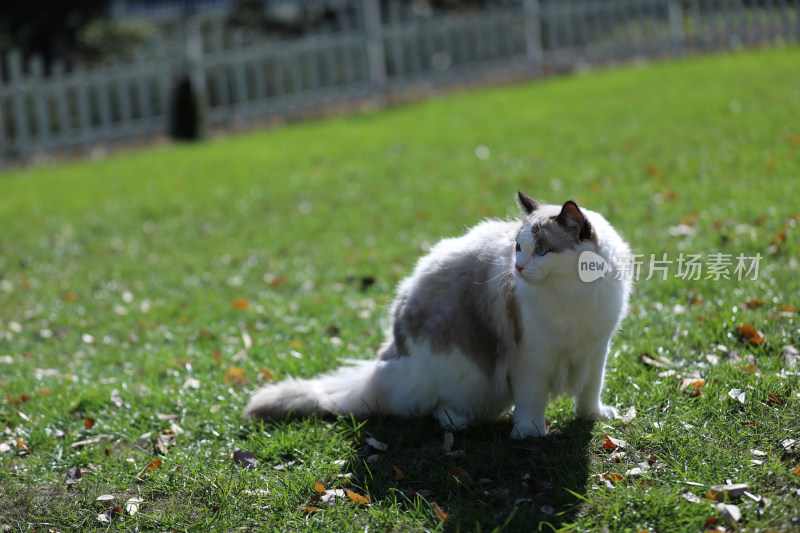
(439, 513)
(730, 514)
(398, 474)
(307, 510)
(610, 479)
(235, 375)
(152, 465)
(376, 444)
(447, 445)
(459, 474)
(629, 415)
(720, 492)
(357, 498)
(110, 514)
(74, 475)
(89, 422)
(658, 361)
(241, 304)
(132, 505)
(93, 440)
(738, 394)
(775, 399)
(691, 497)
(319, 487)
(245, 459)
(694, 382)
(751, 334)
(104, 498)
(611, 444)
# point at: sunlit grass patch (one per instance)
(144, 297)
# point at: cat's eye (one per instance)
(541, 250)
(519, 248)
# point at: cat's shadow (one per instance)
(486, 480)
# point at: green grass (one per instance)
(123, 282)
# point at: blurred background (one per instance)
(84, 77)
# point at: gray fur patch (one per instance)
(455, 307)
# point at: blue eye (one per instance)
(541, 250)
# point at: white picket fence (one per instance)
(387, 57)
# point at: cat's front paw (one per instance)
(601, 412)
(523, 431)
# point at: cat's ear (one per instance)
(573, 219)
(527, 204)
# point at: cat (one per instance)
(496, 318)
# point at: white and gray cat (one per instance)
(496, 318)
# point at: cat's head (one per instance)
(551, 239)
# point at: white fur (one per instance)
(566, 329)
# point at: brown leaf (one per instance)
(398, 474)
(89, 422)
(235, 375)
(152, 465)
(74, 475)
(16, 401)
(110, 514)
(796, 470)
(267, 374)
(439, 513)
(241, 304)
(775, 399)
(358, 499)
(307, 510)
(459, 474)
(751, 304)
(611, 444)
(245, 459)
(319, 487)
(750, 334)
(277, 281)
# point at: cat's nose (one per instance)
(520, 268)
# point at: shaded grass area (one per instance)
(151, 292)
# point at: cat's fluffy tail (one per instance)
(348, 390)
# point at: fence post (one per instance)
(376, 58)
(40, 104)
(533, 36)
(676, 35)
(21, 129)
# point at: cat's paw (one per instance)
(523, 431)
(602, 412)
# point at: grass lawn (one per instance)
(145, 296)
